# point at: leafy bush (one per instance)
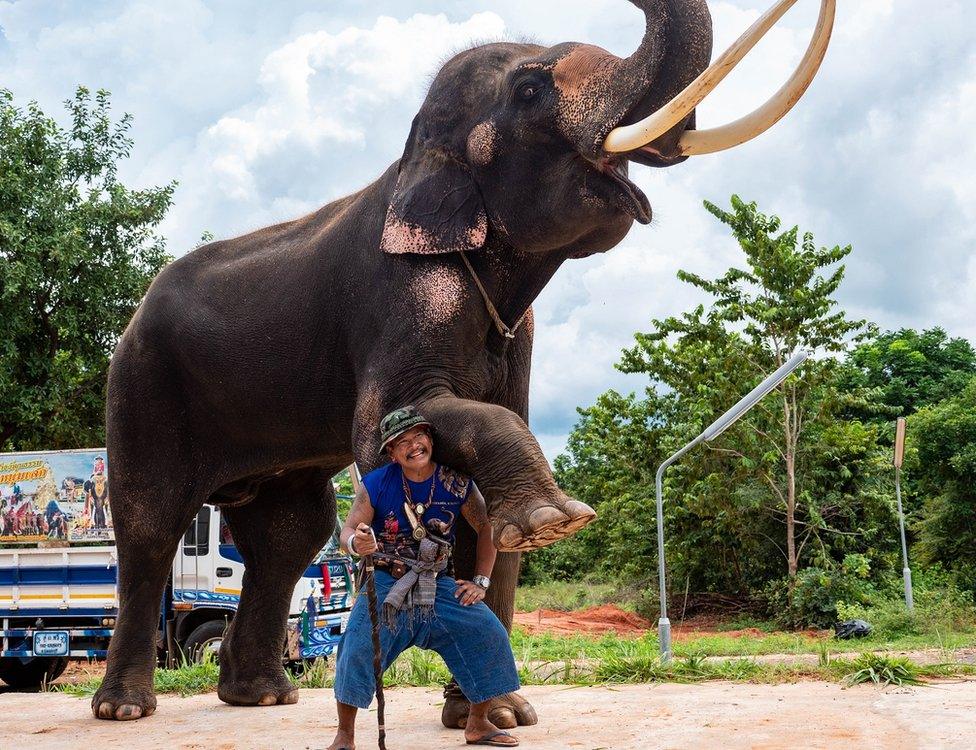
(812, 598)
(940, 607)
(943, 437)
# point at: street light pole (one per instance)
(899, 455)
(711, 432)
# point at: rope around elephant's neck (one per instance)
(504, 330)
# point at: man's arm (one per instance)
(356, 530)
(475, 512)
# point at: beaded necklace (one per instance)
(415, 511)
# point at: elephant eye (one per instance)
(527, 91)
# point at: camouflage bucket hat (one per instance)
(398, 422)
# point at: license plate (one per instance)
(51, 643)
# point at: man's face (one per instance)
(412, 449)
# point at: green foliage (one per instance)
(940, 607)
(943, 442)
(614, 449)
(882, 669)
(810, 599)
(344, 491)
(779, 304)
(565, 596)
(908, 370)
(77, 253)
(790, 484)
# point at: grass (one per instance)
(717, 655)
(580, 661)
(544, 646)
(187, 679)
(883, 670)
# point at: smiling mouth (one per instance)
(416, 454)
(631, 200)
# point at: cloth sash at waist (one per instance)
(415, 590)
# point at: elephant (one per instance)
(256, 368)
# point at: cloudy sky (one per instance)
(264, 111)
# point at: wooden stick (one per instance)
(374, 618)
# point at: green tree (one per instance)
(760, 316)
(942, 443)
(909, 370)
(77, 252)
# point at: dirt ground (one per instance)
(710, 715)
(608, 618)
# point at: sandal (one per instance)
(489, 739)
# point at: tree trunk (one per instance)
(789, 424)
(791, 513)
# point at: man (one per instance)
(404, 515)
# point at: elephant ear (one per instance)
(436, 207)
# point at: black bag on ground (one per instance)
(851, 629)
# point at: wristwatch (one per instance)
(483, 581)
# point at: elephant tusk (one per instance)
(692, 142)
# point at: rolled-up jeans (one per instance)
(471, 640)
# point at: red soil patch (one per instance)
(609, 618)
(606, 618)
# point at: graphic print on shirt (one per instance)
(442, 496)
(391, 526)
(454, 482)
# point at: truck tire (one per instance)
(204, 638)
(32, 673)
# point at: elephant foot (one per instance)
(123, 703)
(261, 691)
(505, 712)
(542, 526)
(252, 682)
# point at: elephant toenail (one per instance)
(267, 700)
(510, 536)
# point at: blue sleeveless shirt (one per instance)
(393, 530)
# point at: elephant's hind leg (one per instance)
(149, 520)
(278, 534)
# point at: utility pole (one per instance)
(899, 455)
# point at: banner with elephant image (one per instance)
(54, 496)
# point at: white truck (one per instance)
(58, 574)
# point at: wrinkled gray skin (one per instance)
(258, 367)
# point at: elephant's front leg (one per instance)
(493, 445)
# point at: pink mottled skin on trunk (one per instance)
(583, 78)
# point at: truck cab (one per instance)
(205, 589)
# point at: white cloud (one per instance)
(332, 111)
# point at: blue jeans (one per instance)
(471, 640)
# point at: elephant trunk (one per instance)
(599, 91)
(665, 132)
(526, 508)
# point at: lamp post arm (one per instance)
(658, 484)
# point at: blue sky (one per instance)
(264, 111)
